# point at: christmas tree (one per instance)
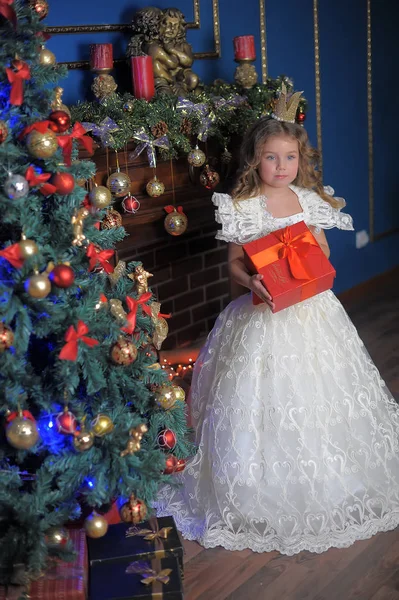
(87, 414)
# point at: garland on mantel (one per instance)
(219, 111)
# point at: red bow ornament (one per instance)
(16, 76)
(78, 133)
(133, 305)
(40, 181)
(8, 12)
(99, 256)
(72, 336)
(13, 255)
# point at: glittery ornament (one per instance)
(134, 511)
(46, 58)
(60, 121)
(175, 222)
(40, 7)
(155, 187)
(83, 440)
(22, 433)
(119, 184)
(16, 187)
(65, 422)
(3, 131)
(56, 537)
(179, 393)
(165, 397)
(62, 276)
(111, 220)
(95, 526)
(63, 182)
(27, 248)
(102, 425)
(196, 157)
(301, 116)
(130, 204)
(42, 145)
(6, 337)
(209, 178)
(38, 285)
(124, 352)
(170, 464)
(166, 439)
(100, 196)
(128, 106)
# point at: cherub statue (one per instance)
(162, 35)
(77, 222)
(141, 276)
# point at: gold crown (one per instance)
(286, 111)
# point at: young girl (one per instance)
(297, 434)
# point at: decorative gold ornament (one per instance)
(100, 196)
(46, 57)
(119, 272)
(117, 310)
(140, 276)
(27, 247)
(103, 86)
(111, 220)
(165, 396)
(134, 511)
(161, 327)
(286, 111)
(196, 157)
(124, 352)
(95, 526)
(77, 222)
(38, 286)
(56, 536)
(179, 393)
(57, 103)
(175, 223)
(128, 106)
(134, 442)
(6, 337)
(119, 184)
(246, 75)
(83, 440)
(42, 145)
(102, 425)
(22, 433)
(155, 188)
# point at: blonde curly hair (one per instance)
(249, 183)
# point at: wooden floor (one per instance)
(368, 570)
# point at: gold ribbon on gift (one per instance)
(153, 575)
(154, 534)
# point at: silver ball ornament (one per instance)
(16, 187)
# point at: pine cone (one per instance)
(186, 126)
(159, 129)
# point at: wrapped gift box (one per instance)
(293, 265)
(155, 538)
(154, 579)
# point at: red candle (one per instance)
(101, 58)
(244, 47)
(143, 77)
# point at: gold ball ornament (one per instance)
(102, 425)
(111, 220)
(38, 286)
(56, 537)
(176, 223)
(155, 188)
(165, 397)
(22, 433)
(128, 106)
(179, 393)
(95, 526)
(100, 197)
(47, 58)
(27, 247)
(119, 184)
(196, 157)
(42, 145)
(83, 440)
(124, 352)
(134, 511)
(6, 337)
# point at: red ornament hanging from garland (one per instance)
(60, 121)
(64, 183)
(130, 204)
(181, 465)
(167, 439)
(170, 464)
(62, 276)
(66, 422)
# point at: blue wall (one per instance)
(290, 49)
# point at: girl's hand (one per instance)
(256, 286)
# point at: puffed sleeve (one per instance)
(224, 215)
(321, 214)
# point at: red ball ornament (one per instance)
(66, 422)
(40, 7)
(301, 117)
(60, 121)
(62, 276)
(130, 204)
(170, 464)
(209, 178)
(181, 465)
(166, 439)
(64, 183)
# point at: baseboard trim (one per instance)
(373, 286)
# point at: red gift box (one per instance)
(293, 265)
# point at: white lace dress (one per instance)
(297, 434)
